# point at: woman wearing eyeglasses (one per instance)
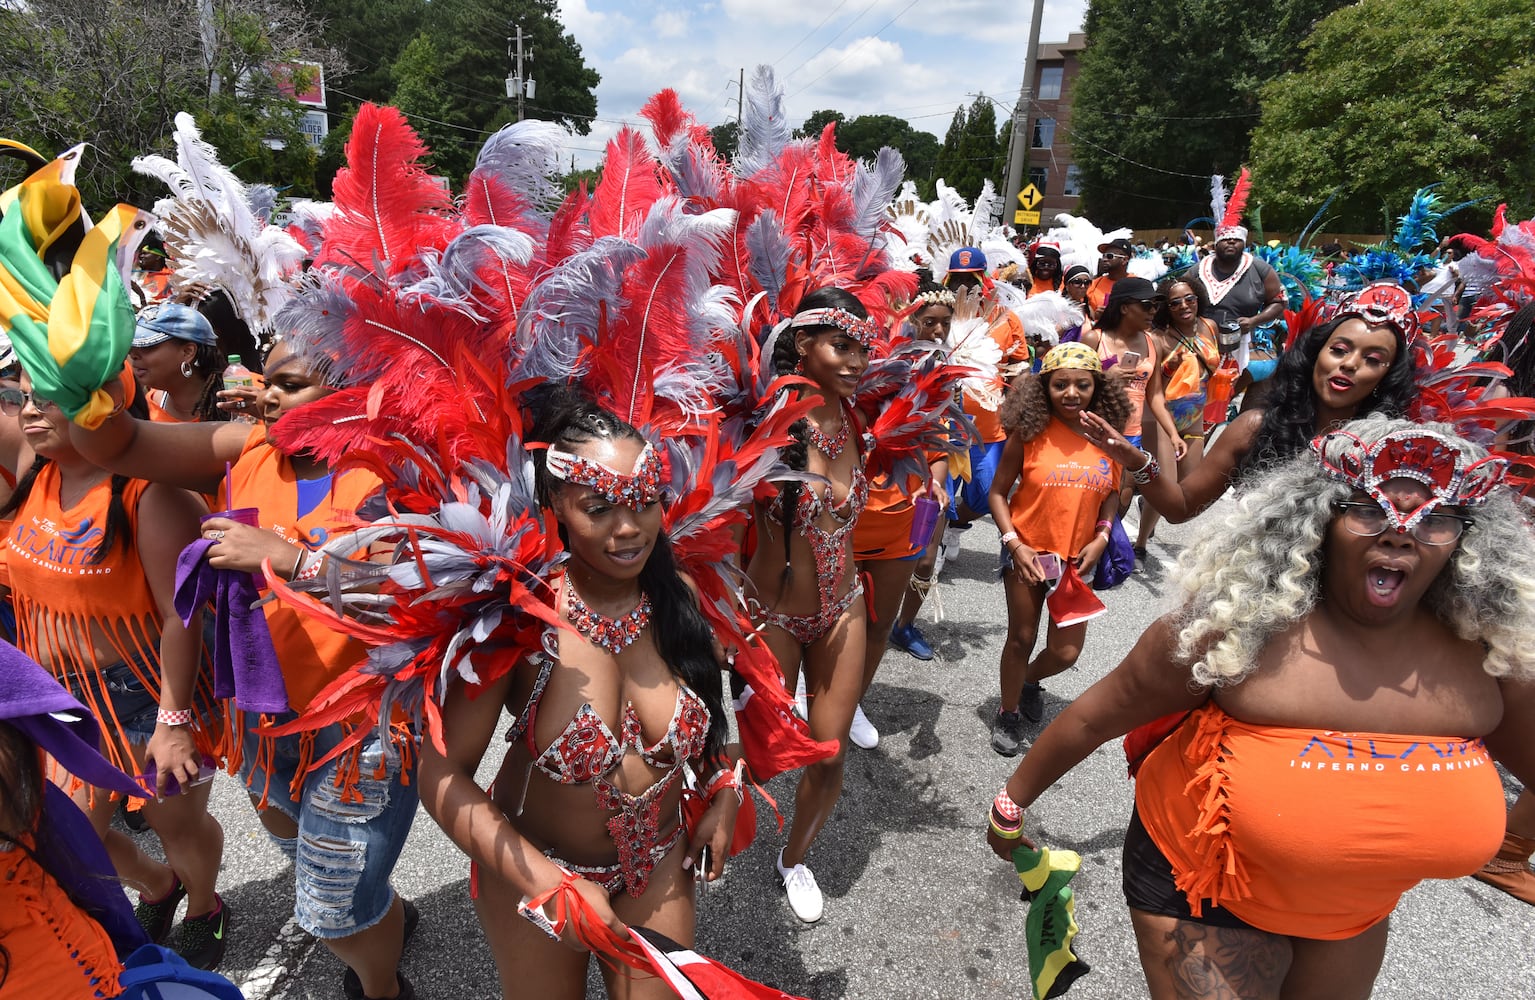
(92, 565)
(1353, 650)
(1190, 352)
(1357, 364)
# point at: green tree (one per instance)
(724, 136)
(1168, 94)
(371, 34)
(817, 122)
(113, 75)
(1396, 95)
(421, 92)
(864, 136)
(971, 153)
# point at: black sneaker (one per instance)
(1031, 702)
(1007, 734)
(407, 991)
(135, 820)
(202, 938)
(157, 915)
(351, 985)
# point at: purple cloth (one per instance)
(67, 845)
(245, 665)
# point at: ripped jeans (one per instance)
(345, 851)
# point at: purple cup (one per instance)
(244, 515)
(924, 520)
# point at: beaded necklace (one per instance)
(612, 634)
(829, 445)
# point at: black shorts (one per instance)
(1149, 886)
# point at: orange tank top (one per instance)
(60, 595)
(1315, 834)
(311, 653)
(1061, 488)
(55, 949)
(1136, 381)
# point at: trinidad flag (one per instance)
(695, 977)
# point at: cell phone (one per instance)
(701, 875)
(1050, 563)
(205, 774)
(1130, 360)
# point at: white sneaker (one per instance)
(863, 732)
(804, 895)
(801, 701)
(953, 540)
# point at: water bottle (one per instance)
(237, 376)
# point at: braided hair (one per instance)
(566, 418)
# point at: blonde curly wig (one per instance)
(1259, 570)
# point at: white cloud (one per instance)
(669, 24)
(920, 67)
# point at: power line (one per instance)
(812, 31)
(849, 53)
(840, 32)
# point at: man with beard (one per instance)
(1246, 302)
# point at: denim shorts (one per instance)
(345, 851)
(134, 705)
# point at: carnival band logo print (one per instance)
(1071, 474)
(61, 550)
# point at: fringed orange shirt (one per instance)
(1315, 834)
(55, 949)
(62, 597)
(311, 654)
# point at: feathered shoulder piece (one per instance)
(386, 206)
(217, 232)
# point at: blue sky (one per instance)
(916, 59)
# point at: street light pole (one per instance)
(1021, 139)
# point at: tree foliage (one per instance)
(864, 136)
(115, 74)
(1169, 94)
(1395, 95)
(971, 152)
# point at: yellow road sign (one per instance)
(1030, 197)
(1022, 218)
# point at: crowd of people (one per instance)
(650, 479)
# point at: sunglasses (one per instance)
(1180, 300)
(1115, 255)
(13, 401)
(1080, 281)
(1147, 303)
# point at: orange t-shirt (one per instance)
(311, 653)
(1042, 285)
(1061, 488)
(1098, 292)
(56, 950)
(155, 399)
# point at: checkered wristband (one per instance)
(1006, 807)
(180, 717)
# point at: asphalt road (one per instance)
(916, 905)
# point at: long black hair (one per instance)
(796, 454)
(567, 418)
(1289, 417)
(1518, 352)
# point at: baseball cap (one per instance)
(967, 259)
(170, 320)
(1132, 287)
(1122, 245)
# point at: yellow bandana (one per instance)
(1073, 356)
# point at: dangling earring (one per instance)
(187, 371)
(799, 366)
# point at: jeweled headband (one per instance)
(936, 297)
(1383, 303)
(636, 491)
(1417, 454)
(862, 330)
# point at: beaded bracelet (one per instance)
(179, 717)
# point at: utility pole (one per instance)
(1021, 139)
(740, 102)
(518, 85)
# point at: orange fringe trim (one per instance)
(1219, 875)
